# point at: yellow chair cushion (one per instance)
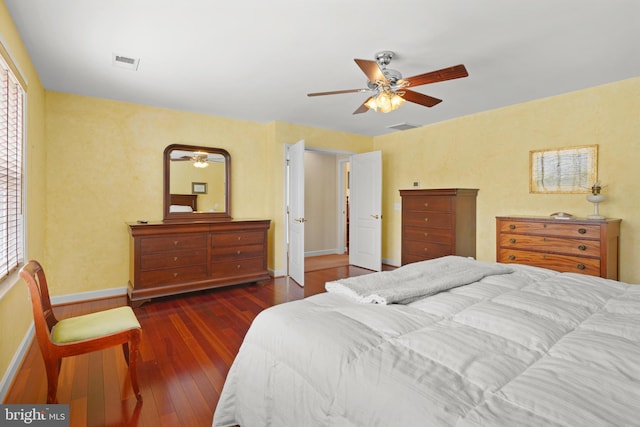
(94, 325)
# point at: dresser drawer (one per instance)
(590, 248)
(161, 260)
(556, 262)
(230, 253)
(232, 239)
(426, 250)
(173, 242)
(240, 267)
(587, 231)
(172, 275)
(428, 203)
(435, 235)
(428, 219)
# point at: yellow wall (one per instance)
(490, 151)
(15, 309)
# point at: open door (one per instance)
(365, 205)
(295, 212)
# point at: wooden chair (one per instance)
(80, 334)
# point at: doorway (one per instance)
(324, 208)
(326, 203)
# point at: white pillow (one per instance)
(180, 208)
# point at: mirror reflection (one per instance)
(196, 183)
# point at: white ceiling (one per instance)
(257, 59)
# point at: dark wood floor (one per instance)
(188, 345)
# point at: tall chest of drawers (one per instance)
(438, 222)
(568, 245)
(173, 258)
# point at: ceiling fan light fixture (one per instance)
(385, 101)
(200, 160)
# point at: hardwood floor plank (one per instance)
(188, 344)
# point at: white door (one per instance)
(365, 206)
(295, 212)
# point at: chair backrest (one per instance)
(43, 317)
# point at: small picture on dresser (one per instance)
(198, 188)
(563, 170)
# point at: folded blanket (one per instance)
(417, 280)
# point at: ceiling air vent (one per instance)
(125, 62)
(402, 126)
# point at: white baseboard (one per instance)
(391, 262)
(277, 273)
(87, 296)
(322, 252)
(15, 363)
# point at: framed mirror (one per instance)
(197, 183)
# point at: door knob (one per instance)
(375, 216)
(300, 220)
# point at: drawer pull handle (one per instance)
(512, 257)
(237, 252)
(238, 266)
(426, 219)
(175, 258)
(582, 230)
(175, 243)
(512, 240)
(581, 266)
(426, 204)
(512, 226)
(582, 247)
(426, 249)
(239, 238)
(426, 234)
(175, 274)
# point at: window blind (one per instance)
(11, 143)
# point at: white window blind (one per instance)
(11, 143)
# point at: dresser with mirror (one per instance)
(198, 244)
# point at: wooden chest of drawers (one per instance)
(578, 246)
(438, 222)
(172, 258)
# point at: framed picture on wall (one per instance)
(198, 188)
(563, 170)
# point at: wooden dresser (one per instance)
(438, 222)
(568, 245)
(173, 258)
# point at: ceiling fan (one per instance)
(200, 159)
(390, 89)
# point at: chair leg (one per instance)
(52, 366)
(125, 351)
(132, 359)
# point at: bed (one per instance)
(515, 346)
(183, 203)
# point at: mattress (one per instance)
(533, 347)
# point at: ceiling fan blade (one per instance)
(337, 92)
(372, 70)
(420, 98)
(363, 108)
(455, 72)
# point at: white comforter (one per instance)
(530, 348)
